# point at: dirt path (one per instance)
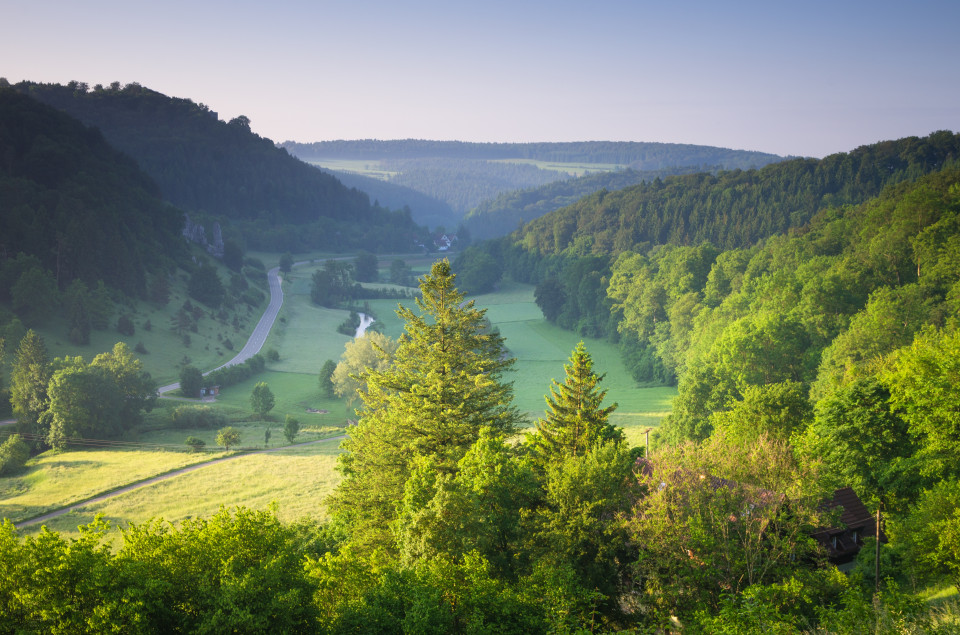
(156, 479)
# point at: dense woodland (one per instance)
(443, 524)
(82, 210)
(807, 310)
(463, 184)
(424, 209)
(500, 216)
(223, 171)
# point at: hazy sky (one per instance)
(803, 78)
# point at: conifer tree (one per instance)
(575, 417)
(445, 384)
(28, 384)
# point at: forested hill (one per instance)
(424, 209)
(206, 165)
(734, 208)
(505, 213)
(637, 155)
(76, 204)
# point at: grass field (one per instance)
(55, 480)
(298, 479)
(576, 169)
(354, 166)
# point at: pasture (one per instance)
(298, 478)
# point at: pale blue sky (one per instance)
(806, 78)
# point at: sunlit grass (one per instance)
(297, 479)
(542, 349)
(54, 480)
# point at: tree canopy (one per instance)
(445, 384)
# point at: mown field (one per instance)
(299, 478)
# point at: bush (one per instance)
(125, 325)
(14, 453)
(200, 417)
(195, 444)
(140, 348)
(273, 355)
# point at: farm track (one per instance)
(156, 479)
(252, 347)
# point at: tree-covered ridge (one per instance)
(464, 183)
(735, 208)
(497, 217)
(637, 155)
(424, 209)
(223, 169)
(821, 307)
(80, 207)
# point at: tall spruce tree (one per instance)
(575, 417)
(445, 384)
(28, 385)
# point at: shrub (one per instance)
(140, 348)
(195, 444)
(14, 453)
(125, 325)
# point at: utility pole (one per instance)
(876, 563)
(646, 432)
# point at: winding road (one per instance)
(260, 331)
(251, 348)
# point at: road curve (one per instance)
(156, 479)
(260, 331)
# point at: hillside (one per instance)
(79, 207)
(733, 208)
(424, 209)
(221, 169)
(497, 217)
(465, 175)
(570, 253)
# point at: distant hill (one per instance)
(504, 214)
(636, 155)
(84, 209)
(222, 169)
(733, 208)
(466, 175)
(424, 209)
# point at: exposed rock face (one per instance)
(196, 233)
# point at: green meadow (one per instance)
(297, 478)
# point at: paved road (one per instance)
(156, 479)
(260, 332)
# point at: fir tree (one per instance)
(445, 384)
(575, 420)
(28, 384)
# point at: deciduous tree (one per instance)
(262, 399)
(228, 436)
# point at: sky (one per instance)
(792, 78)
